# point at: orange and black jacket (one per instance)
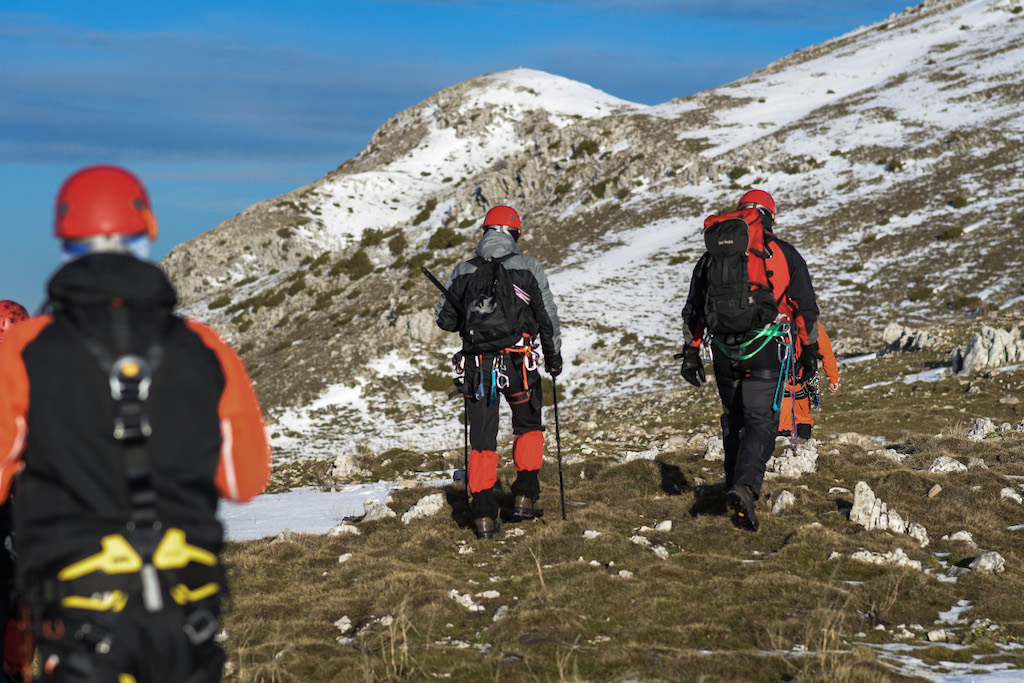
(56, 439)
(791, 285)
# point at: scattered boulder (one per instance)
(344, 529)
(466, 600)
(284, 536)
(982, 429)
(713, 449)
(961, 537)
(860, 440)
(1009, 494)
(790, 464)
(903, 339)
(864, 441)
(783, 502)
(345, 468)
(872, 513)
(896, 558)
(989, 562)
(992, 348)
(889, 454)
(945, 464)
(376, 510)
(425, 507)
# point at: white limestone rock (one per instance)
(783, 501)
(713, 449)
(872, 513)
(945, 465)
(425, 507)
(983, 428)
(376, 510)
(790, 464)
(896, 558)
(1010, 494)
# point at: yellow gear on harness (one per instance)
(174, 552)
(114, 601)
(183, 595)
(116, 557)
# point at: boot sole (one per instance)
(748, 520)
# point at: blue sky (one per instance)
(218, 105)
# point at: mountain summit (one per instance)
(891, 151)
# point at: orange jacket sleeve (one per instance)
(14, 397)
(828, 360)
(245, 458)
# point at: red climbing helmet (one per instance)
(103, 200)
(503, 215)
(757, 199)
(10, 312)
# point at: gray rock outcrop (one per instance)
(872, 513)
(992, 348)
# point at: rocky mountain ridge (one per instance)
(890, 152)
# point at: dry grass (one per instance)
(725, 604)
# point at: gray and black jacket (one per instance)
(528, 280)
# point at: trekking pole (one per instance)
(465, 447)
(558, 444)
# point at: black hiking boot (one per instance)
(741, 500)
(522, 508)
(486, 527)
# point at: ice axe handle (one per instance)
(444, 290)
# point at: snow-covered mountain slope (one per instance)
(892, 153)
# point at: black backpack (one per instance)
(494, 317)
(739, 295)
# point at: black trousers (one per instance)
(522, 391)
(749, 390)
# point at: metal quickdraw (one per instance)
(501, 376)
(459, 369)
(813, 390)
(478, 394)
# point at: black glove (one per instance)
(693, 367)
(553, 365)
(807, 364)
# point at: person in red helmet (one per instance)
(752, 294)
(11, 312)
(499, 357)
(121, 424)
(796, 403)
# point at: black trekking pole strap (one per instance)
(558, 445)
(444, 290)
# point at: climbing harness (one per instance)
(148, 560)
(764, 336)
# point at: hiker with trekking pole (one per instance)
(751, 295)
(500, 304)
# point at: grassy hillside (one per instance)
(701, 600)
